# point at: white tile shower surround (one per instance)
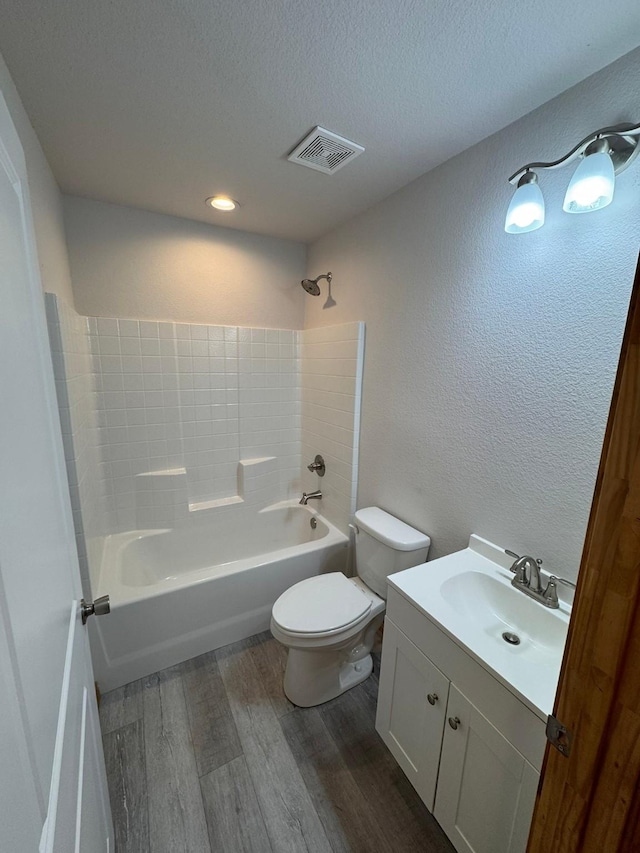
(332, 359)
(170, 396)
(170, 410)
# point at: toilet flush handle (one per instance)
(355, 528)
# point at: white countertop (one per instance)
(469, 596)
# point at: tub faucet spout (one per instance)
(310, 496)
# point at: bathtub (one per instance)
(181, 592)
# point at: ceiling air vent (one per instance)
(325, 151)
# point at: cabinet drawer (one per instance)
(518, 723)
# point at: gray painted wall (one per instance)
(147, 266)
(490, 358)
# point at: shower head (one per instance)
(311, 284)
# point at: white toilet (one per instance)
(329, 622)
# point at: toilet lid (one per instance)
(324, 603)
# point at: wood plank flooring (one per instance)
(210, 757)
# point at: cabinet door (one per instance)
(412, 701)
(486, 789)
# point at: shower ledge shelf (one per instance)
(218, 502)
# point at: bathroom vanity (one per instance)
(462, 709)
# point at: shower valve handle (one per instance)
(318, 466)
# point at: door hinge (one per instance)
(559, 736)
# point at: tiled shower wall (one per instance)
(163, 419)
(172, 396)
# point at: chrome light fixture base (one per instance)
(623, 150)
(623, 142)
(603, 155)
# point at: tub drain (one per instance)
(313, 523)
(513, 639)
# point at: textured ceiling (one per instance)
(160, 103)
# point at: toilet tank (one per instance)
(385, 545)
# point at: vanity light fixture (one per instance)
(592, 184)
(526, 211)
(222, 202)
(603, 155)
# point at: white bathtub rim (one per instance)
(129, 594)
(122, 594)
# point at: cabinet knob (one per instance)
(454, 722)
(432, 698)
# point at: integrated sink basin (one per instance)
(497, 608)
(469, 596)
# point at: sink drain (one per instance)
(513, 639)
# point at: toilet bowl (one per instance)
(329, 622)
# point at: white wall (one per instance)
(45, 197)
(148, 266)
(490, 358)
(331, 388)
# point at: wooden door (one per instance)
(412, 701)
(53, 795)
(486, 788)
(590, 801)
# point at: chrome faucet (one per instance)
(310, 496)
(551, 592)
(532, 576)
(527, 577)
(527, 580)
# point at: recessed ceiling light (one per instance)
(222, 202)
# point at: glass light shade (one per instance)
(592, 184)
(526, 211)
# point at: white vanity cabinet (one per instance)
(412, 704)
(486, 788)
(470, 747)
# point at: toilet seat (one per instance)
(321, 606)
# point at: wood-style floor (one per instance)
(210, 757)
